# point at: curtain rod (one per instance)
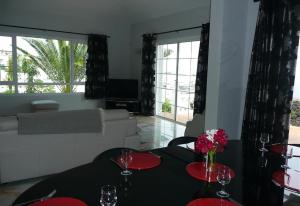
(177, 30)
(51, 30)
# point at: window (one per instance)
(40, 65)
(176, 69)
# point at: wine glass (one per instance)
(126, 158)
(286, 154)
(264, 139)
(108, 195)
(223, 177)
(262, 160)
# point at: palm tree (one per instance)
(53, 58)
(27, 66)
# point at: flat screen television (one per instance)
(122, 89)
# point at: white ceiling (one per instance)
(134, 10)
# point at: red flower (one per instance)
(204, 144)
(221, 137)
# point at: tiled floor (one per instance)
(155, 132)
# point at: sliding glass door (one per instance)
(294, 134)
(175, 80)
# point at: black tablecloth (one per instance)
(168, 184)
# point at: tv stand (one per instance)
(131, 105)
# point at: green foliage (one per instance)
(53, 57)
(167, 52)
(10, 77)
(9, 91)
(166, 106)
(295, 113)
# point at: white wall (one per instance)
(250, 31)
(191, 18)
(232, 24)
(118, 47)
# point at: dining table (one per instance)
(169, 183)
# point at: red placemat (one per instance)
(60, 201)
(198, 171)
(289, 179)
(143, 160)
(211, 202)
(279, 148)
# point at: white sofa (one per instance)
(24, 155)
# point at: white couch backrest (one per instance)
(71, 121)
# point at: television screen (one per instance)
(122, 88)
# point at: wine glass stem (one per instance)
(264, 145)
(223, 188)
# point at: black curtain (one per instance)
(201, 77)
(272, 73)
(96, 67)
(148, 74)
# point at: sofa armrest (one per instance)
(117, 130)
(113, 114)
(125, 127)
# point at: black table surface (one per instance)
(169, 184)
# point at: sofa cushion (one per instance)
(44, 105)
(8, 123)
(114, 114)
(72, 121)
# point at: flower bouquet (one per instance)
(211, 142)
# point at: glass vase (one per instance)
(211, 159)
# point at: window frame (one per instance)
(177, 41)
(14, 33)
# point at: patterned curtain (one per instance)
(272, 73)
(201, 78)
(148, 74)
(96, 67)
